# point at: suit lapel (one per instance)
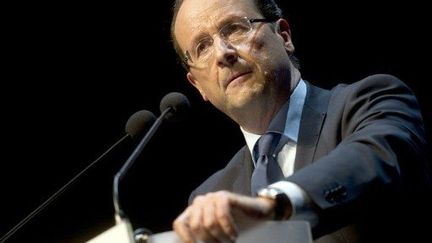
(313, 114)
(242, 183)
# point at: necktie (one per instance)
(267, 169)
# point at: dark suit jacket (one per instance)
(360, 158)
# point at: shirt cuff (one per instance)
(302, 205)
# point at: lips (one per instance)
(234, 76)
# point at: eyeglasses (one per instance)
(234, 32)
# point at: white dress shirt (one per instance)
(286, 157)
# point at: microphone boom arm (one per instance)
(119, 214)
(57, 193)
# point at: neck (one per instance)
(258, 119)
(257, 116)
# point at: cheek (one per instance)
(270, 57)
(261, 55)
(208, 86)
(257, 49)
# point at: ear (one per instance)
(196, 84)
(284, 31)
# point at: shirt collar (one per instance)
(294, 109)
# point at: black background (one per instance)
(75, 72)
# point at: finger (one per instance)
(212, 223)
(182, 229)
(195, 214)
(225, 219)
(196, 222)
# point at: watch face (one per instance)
(282, 201)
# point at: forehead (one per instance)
(195, 16)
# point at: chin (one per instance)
(241, 101)
(245, 95)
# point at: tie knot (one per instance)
(266, 144)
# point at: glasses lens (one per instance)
(234, 32)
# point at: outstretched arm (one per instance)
(212, 217)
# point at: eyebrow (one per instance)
(201, 35)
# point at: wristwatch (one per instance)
(283, 208)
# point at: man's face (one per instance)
(234, 75)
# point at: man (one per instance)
(347, 159)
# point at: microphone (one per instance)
(135, 126)
(138, 123)
(174, 107)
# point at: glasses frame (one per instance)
(187, 57)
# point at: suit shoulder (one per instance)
(375, 82)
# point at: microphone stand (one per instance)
(119, 214)
(58, 193)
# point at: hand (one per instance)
(212, 217)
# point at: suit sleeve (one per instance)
(379, 154)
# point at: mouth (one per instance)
(236, 76)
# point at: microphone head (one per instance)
(139, 122)
(178, 103)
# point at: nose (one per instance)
(226, 54)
